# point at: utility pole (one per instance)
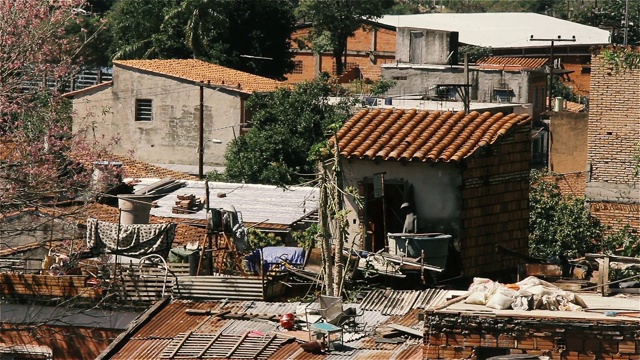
(551, 66)
(201, 135)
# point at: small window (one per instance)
(144, 109)
(399, 77)
(297, 67)
(345, 67)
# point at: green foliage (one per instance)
(286, 124)
(257, 240)
(306, 238)
(624, 242)
(220, 31)
(560, 89)
(609, 14)
(335, 20)
(621, 59)
(474, 53)
(380, 87)
(558, 224)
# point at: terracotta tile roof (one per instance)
(421, 135)
(138, 169)
(89, 89)
(200, 71)
(568, 105)
(512, 62)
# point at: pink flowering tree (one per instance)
(40, 159)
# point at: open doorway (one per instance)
(374, 217)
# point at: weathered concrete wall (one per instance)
(436, 192)
(435, 46)
(172, 135)
(416, 79)
(568, 142)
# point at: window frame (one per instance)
(143, 111)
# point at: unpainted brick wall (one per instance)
(614, 123)
(456, 337)
(614, 137)
(495, 205)
(570, 183)
(361, 43)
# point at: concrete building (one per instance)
(507, 34)
(426, 66)
(154, 108)
(469, 174)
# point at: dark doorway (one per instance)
(375, 238)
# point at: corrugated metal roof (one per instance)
(513, 61)
(244, 326)
(257, 203)
(142, 349)
(503, 30)
(400, 302)
(390, 302)
(431, 297)
(270, 308)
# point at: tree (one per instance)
(334, 21)
(133, 24)
(246, 35)
(610, 14)
(558, 224)
(286, 125)
(40, 160)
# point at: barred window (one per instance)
(144, 110)
(345, 67)
(297, 67)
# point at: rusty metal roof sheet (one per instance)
(246, 346)
(142, 349)
(409, 350)
(431, 297)
(421, 135)
(270, 308)
(513, 61)
(390, 302)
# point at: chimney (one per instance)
(134, 209)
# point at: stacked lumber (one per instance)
(187, 204)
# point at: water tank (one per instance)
(134, 209)
(559, 106)
(435, 246)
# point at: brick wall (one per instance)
(614, 123)
(495, 205)
(616, 216)
(453, 336)
(613, 141)
(570, 183)
(359, 48)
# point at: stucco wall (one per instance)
(436, 46)
(568, 142)
(421, 79)
(172, 135)
(436, 192)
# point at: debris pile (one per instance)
(187, 204)
(528, 294)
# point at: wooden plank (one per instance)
(179, 345)
(236, 345)
(406, 329)
(265, 346)
(211, 342)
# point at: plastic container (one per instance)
(435, 246)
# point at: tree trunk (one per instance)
(336, 192)
(325, 238)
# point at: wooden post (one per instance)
(605, 276)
